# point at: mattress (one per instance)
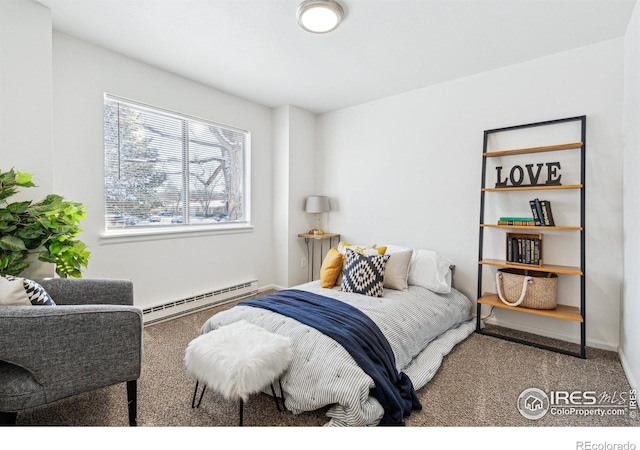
(420, 325)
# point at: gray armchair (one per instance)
(91, 339)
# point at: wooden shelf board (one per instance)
(525, 227)
(547, 148)
(534, 188)
(567, 270)
(560, 312)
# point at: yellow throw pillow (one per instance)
(366, 250)
(381, 250)
(331, 268)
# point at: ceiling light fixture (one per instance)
(320, 16)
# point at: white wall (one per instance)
(630, 311)
(406, 169)
(294, 180)
(162, 269)
(26, 109)
(302, 183)
(280, 167)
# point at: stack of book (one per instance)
(517, 221)
(541, 210)
(524, 248)
(542, 216)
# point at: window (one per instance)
(164, 169)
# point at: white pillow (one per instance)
(430, 270)
(391, 249)
(12, 292)
(396, 272)
(17, 291)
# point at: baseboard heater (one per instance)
(171, 310)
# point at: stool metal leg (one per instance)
(275, 397)
(284, 408)
(273, 391)
(195, 392)
(193, 400)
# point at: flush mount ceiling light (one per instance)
(320, 16)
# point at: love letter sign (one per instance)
(517, 175)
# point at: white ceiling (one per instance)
(256, 50)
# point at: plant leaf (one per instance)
(24, 179)
(49, 227)
(55, 247)
(7, 191)
(16, 262)
(46, 257)
(12, 243)
(18, 207)
(6, 228)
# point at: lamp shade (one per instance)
(317, 204)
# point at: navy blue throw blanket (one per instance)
(360, 336)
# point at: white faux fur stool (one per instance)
(238, 360)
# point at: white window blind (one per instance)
(164, 169)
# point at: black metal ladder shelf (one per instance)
(575, 314)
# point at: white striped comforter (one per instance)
(421, 328)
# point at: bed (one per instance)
(422, 321)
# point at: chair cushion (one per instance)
(238, 359)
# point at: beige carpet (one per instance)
(477, 386)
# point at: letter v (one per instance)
(534, 179)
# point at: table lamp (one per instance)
(317, 204)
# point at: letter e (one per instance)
(553, 177)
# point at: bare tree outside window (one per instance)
(165, 169)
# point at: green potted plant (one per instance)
(47, 228)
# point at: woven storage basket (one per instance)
(527, 288)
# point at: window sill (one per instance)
(151, 234)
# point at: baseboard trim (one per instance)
(626, 367)
(271, 287)
(553, 335)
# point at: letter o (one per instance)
(512, 175)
